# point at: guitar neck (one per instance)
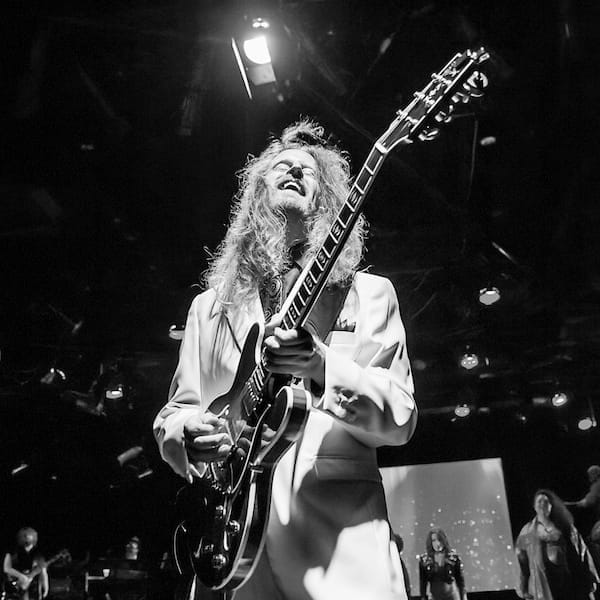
(313, 279)
(420, 119)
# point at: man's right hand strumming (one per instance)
(206, 438)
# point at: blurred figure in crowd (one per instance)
(554, 561)
(25, 568)
(591, 501)
(441, 574)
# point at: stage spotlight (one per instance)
(254, 61)
(22, 466)
(559, 399)
(462, 410)
(256, 48)
(469, 360)
(586, 423)
(489, 295)
(540, 400)
(114, 392)
(521, 418)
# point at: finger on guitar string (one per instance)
(203, 424)
(208, 441)
(209, 455)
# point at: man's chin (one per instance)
(297, 206)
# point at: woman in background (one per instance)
(554, 561)
(440, 569)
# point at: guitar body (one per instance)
(225, 515)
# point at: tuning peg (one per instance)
(429, 134)
(445, 116)
(461, 97)
(476, 84)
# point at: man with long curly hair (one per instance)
(328, 535)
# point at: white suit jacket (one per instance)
(328, 535)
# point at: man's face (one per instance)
(291, 181)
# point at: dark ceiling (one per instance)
(111, 193)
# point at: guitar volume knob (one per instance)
(233, 527)
(207, 549)
(218, 561)
(219, 512)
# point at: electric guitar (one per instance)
(16, 588)
(222, 532)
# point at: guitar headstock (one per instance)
(458, 82)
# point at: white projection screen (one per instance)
(467, 499)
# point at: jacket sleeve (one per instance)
(371, 394)
(185, 397)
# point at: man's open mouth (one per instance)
(292, 184)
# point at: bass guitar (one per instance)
(222, 532)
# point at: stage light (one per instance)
(255, 60)
(521, 418)
(469, 360)
(114, 392)
(22, 466)
(586, 423)
(462, 410)
(489, 295)
(257, 51)
(586, 416)
(540, 400)
(559, 399)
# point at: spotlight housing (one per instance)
(559, 399)
(489, 295)
(586, 423)
(469, 360)
(253, 56)
(462, 410)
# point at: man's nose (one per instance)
(295, 171)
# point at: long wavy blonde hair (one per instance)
(254, 248)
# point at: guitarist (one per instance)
(25, 568)
(328, 535)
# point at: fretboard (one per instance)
(313, 279)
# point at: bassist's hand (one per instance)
(206, 438)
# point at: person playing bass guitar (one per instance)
(328, 534)
(25, 568)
